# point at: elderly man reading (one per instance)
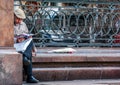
(19, 29)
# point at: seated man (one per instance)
(20, 28)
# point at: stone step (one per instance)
(80, 82)
(76, 60)
(85, 63)
(70, 73)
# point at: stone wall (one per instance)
(6, 23)
(10, 67)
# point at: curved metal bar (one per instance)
(80, 23)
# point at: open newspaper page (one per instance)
(21, 47)
(25, 35)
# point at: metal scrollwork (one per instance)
(73, 23)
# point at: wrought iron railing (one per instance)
(73, 22)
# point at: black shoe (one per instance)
(32, 80)
(26, 61)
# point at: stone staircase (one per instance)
(85, 63)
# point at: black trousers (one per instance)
(28, 53)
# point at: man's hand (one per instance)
(21, 39)
(33, 54)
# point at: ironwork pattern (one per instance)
(73, 22)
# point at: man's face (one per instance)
(17, 20)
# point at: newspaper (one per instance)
(24, 35)
(21, 47)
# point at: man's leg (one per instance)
(28, 68)
(27, 54)
(28, 51)
(28, 71)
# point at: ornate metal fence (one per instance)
(73, 22)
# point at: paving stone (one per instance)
(80, 82)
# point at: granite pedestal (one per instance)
(10, 67)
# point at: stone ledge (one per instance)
(85, 63)
(74, 58)
(81, 55)
(11, 67)
(51, 74)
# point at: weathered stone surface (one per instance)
(85, 63)
(6, 23)
(76, 73)
(10, 67)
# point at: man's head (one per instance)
(19, 15)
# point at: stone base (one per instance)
(85, 63)
(10, 67)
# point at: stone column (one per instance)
(10, 60)
(6, 23)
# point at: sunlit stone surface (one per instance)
(6, 22)
(10, 67)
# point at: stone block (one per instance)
(10, 67)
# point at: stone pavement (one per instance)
(80, 82)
